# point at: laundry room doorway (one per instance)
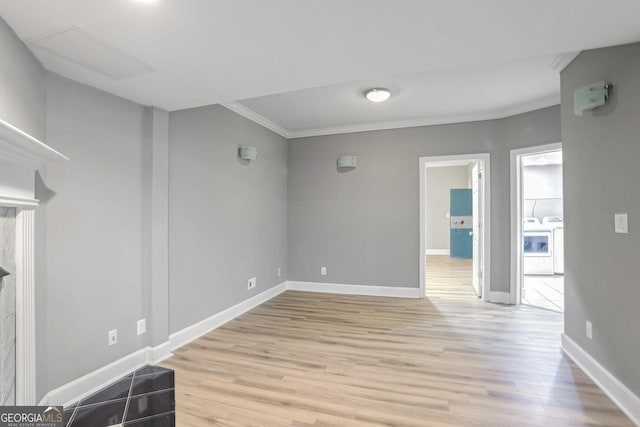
(538, 232)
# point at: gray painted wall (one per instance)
(227, 217)
(22, 85)
(94, 232)
(601, 152)
(363, 225)
(440, 181)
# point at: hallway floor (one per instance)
(544, 291)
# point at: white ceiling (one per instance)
(469, 93)
(180, 54)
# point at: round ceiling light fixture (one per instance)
(377, 94)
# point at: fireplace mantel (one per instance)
(20, 156)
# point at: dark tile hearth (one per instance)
(145, 398)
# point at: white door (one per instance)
(476, 189)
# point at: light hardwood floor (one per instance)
(309, 359)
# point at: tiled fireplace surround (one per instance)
(145, 398)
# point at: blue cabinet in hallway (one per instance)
(461, 239)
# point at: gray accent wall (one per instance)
(93, 210)
(440, 181)
(601, 151)
(22, 85)
(363, 225)
(227, 217)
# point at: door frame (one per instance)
(456, 160)
(516, 213)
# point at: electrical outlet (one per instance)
(279, 271)
(142, 326)
(323, 271)
(251, 283)
(589, 330)
(113, 337)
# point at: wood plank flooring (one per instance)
(310, 359)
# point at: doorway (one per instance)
(538, 244)
(454, 219)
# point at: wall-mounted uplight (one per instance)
(377, 94)
(347, 162)
(248, 152)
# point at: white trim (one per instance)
(18, 201)
(24, 148)
(158, 353)
(620, 394)
(96, 380)
(429, 121)
(560, 62)
(337, 288)
(438, 161)
(516, 213)
(438, 251)
(190, 333)
(82, 387)
(247, 113)
(536, 104)
(25, 308)
(499, 297)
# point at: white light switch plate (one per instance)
(142, 326)
(252, 283)
(621, 223)
(323, 271)
(589, 330)
(113, 337)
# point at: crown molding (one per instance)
(430, 121)
(395, 124)
(247, 113)
(561, 61)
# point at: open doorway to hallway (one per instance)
(540, 277)
(453, 212)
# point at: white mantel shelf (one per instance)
(20, 147)
(21, 155)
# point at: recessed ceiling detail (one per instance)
(84, 50)
(463, 94)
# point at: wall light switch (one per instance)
(621, 223)
(113, 337)
(252, 283)
(142, 326)
(279, 271)
(589, 330)
(323, 271)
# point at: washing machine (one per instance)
(537, 249)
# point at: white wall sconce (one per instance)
(347, 162)
(590, 97)
(248, 152)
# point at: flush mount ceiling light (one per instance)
(377, 94)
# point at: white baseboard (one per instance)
(626, 400)
(500, 297)
(94, 381)
(438, 252)
(190, 333)
(159, 353)
(336, 288)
